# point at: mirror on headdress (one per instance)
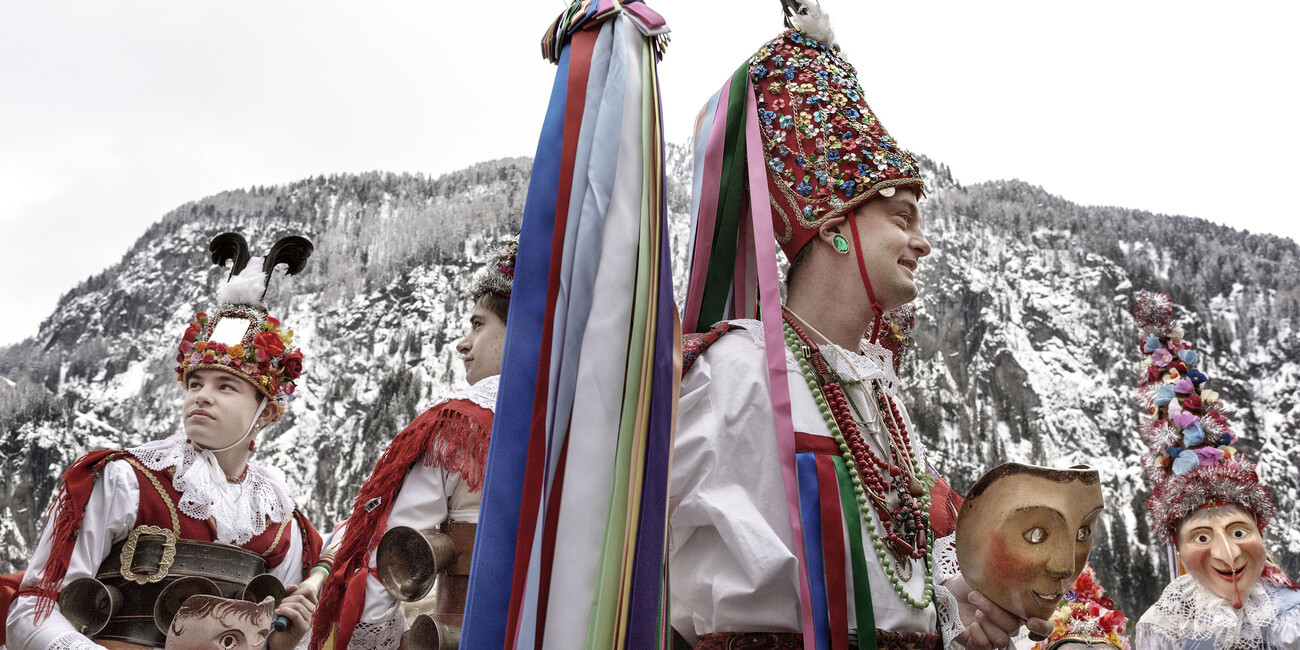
(230, 330)
(1024, 534)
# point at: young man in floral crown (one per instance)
(192, 507)
(430, 478)
(803, 510)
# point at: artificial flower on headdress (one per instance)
(240, 336)
(498, 274)
(1086, 615)
(1189, 456)
(825, 149)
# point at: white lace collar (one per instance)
(239, 511)
(1190, 612)
(484, 393)
(871, 362)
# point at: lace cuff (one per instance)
(945, 559)
(380, 634)
(945, 569)
(949, 621)
(73, 641)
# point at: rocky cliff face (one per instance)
(1025, 345)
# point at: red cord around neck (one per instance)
(866, 281)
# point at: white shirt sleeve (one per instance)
(421, 503)
(730, 557)
(289, 570)
(109, 517)
(1286, 634)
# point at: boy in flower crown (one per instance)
(127, 524)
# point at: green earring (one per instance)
(841, 244)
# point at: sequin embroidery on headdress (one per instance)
(826, 151)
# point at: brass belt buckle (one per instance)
(164, 563)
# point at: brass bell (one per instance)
(428, 634)
(175, 594)
(88, 604)
(264, 586)
(408, 561)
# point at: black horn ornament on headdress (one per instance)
(241, 337)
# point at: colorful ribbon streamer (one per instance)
(571, 543)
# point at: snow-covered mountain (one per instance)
(1025, 345)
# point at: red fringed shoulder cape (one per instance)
(453, 435)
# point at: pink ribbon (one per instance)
(774, 341)
(708, 206)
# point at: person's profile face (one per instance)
(483, 345)
(1223, 549)
(1026, 536)
(892, 245)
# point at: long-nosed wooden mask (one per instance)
(1024, 534)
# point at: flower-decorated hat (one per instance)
(498, 273)
(826, 152)
(240, 336)
(1086, 615)
(1190, 457)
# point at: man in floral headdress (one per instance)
(194, 507)
(1208, 502)
(803, 510)
(430, 478)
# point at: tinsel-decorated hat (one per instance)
(498, 273)
(240, 336)
(826, 151)
(1086, 615)
(1190, 457)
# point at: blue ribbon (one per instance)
(488, 601)
(810, 510)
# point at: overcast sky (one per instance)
(113, 113)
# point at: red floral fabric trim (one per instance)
(693, 345)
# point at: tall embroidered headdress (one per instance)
(241, 336)
(826, 152)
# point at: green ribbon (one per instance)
(861, 583)
(731, 201)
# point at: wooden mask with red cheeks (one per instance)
(209, 622)
(1223, 549)
(1024, 534)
